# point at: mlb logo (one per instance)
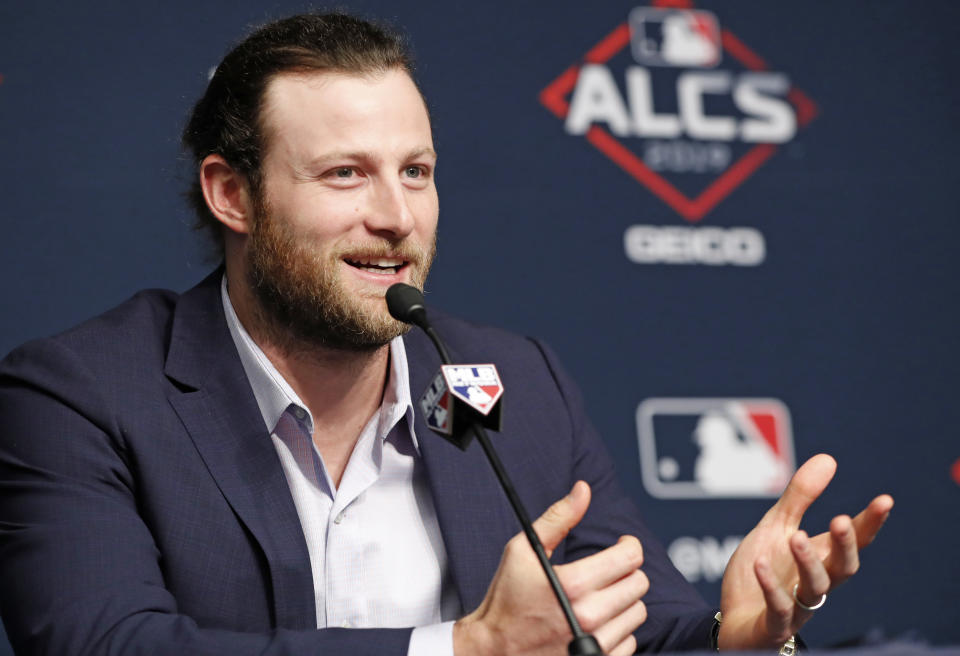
(700, 448)
(435, 404)
(675, 37)
(477, 385)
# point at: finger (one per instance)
(598, 571)
(814, 580)
(843, 560)
(598, 607)
(871, 519)
(807, 484)
(621, 627)
(554, 524)
(780, 604)
(625, 648)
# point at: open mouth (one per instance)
(380, 265)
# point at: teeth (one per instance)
(383, 262)
(385, 272)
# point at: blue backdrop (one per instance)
(747, 200)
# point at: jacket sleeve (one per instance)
(678, 618)
(80, 568)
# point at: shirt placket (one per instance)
(348, 548)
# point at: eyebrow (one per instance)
(420, 152)
(362, 155)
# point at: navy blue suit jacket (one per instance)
(143, 509)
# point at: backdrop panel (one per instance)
(734, 221)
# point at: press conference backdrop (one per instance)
(735, 221)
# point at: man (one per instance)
(240, 469)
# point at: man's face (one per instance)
(348, 205)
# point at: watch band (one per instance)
(789, 648)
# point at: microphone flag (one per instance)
(459, 395)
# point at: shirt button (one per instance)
(299, 412)
(339, 517)
(345, 624)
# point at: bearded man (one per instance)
(240, 469)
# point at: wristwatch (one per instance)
(789, 648)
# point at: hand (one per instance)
(520, 615)
(756, 596)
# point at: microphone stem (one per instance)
(437, 342)
(532, 537)
(583, 644)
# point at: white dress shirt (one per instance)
(376, 553)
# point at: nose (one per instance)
(390, 215)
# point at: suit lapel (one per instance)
(473, 512)
(217, 407)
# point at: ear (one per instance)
(227, 194)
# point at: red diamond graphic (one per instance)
(554, 98)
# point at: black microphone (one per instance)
(406, 304)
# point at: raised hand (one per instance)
(778, 573)
(520, 616)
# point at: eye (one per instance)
(414, 172)
(344, 176)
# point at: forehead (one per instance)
(304, 112)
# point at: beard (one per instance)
(302, 299)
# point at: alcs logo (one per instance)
(703, 128)
(693, 448)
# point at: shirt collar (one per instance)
(274, 395)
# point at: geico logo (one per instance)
(702, 559)
(686, 245)
(769, 118)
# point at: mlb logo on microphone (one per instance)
(436, 406)
(675, 37)
(477, 385)
(694, 448)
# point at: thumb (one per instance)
(807, 484)
(554, 524)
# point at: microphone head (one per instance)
(406, 304)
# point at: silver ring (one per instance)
(802, 605)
